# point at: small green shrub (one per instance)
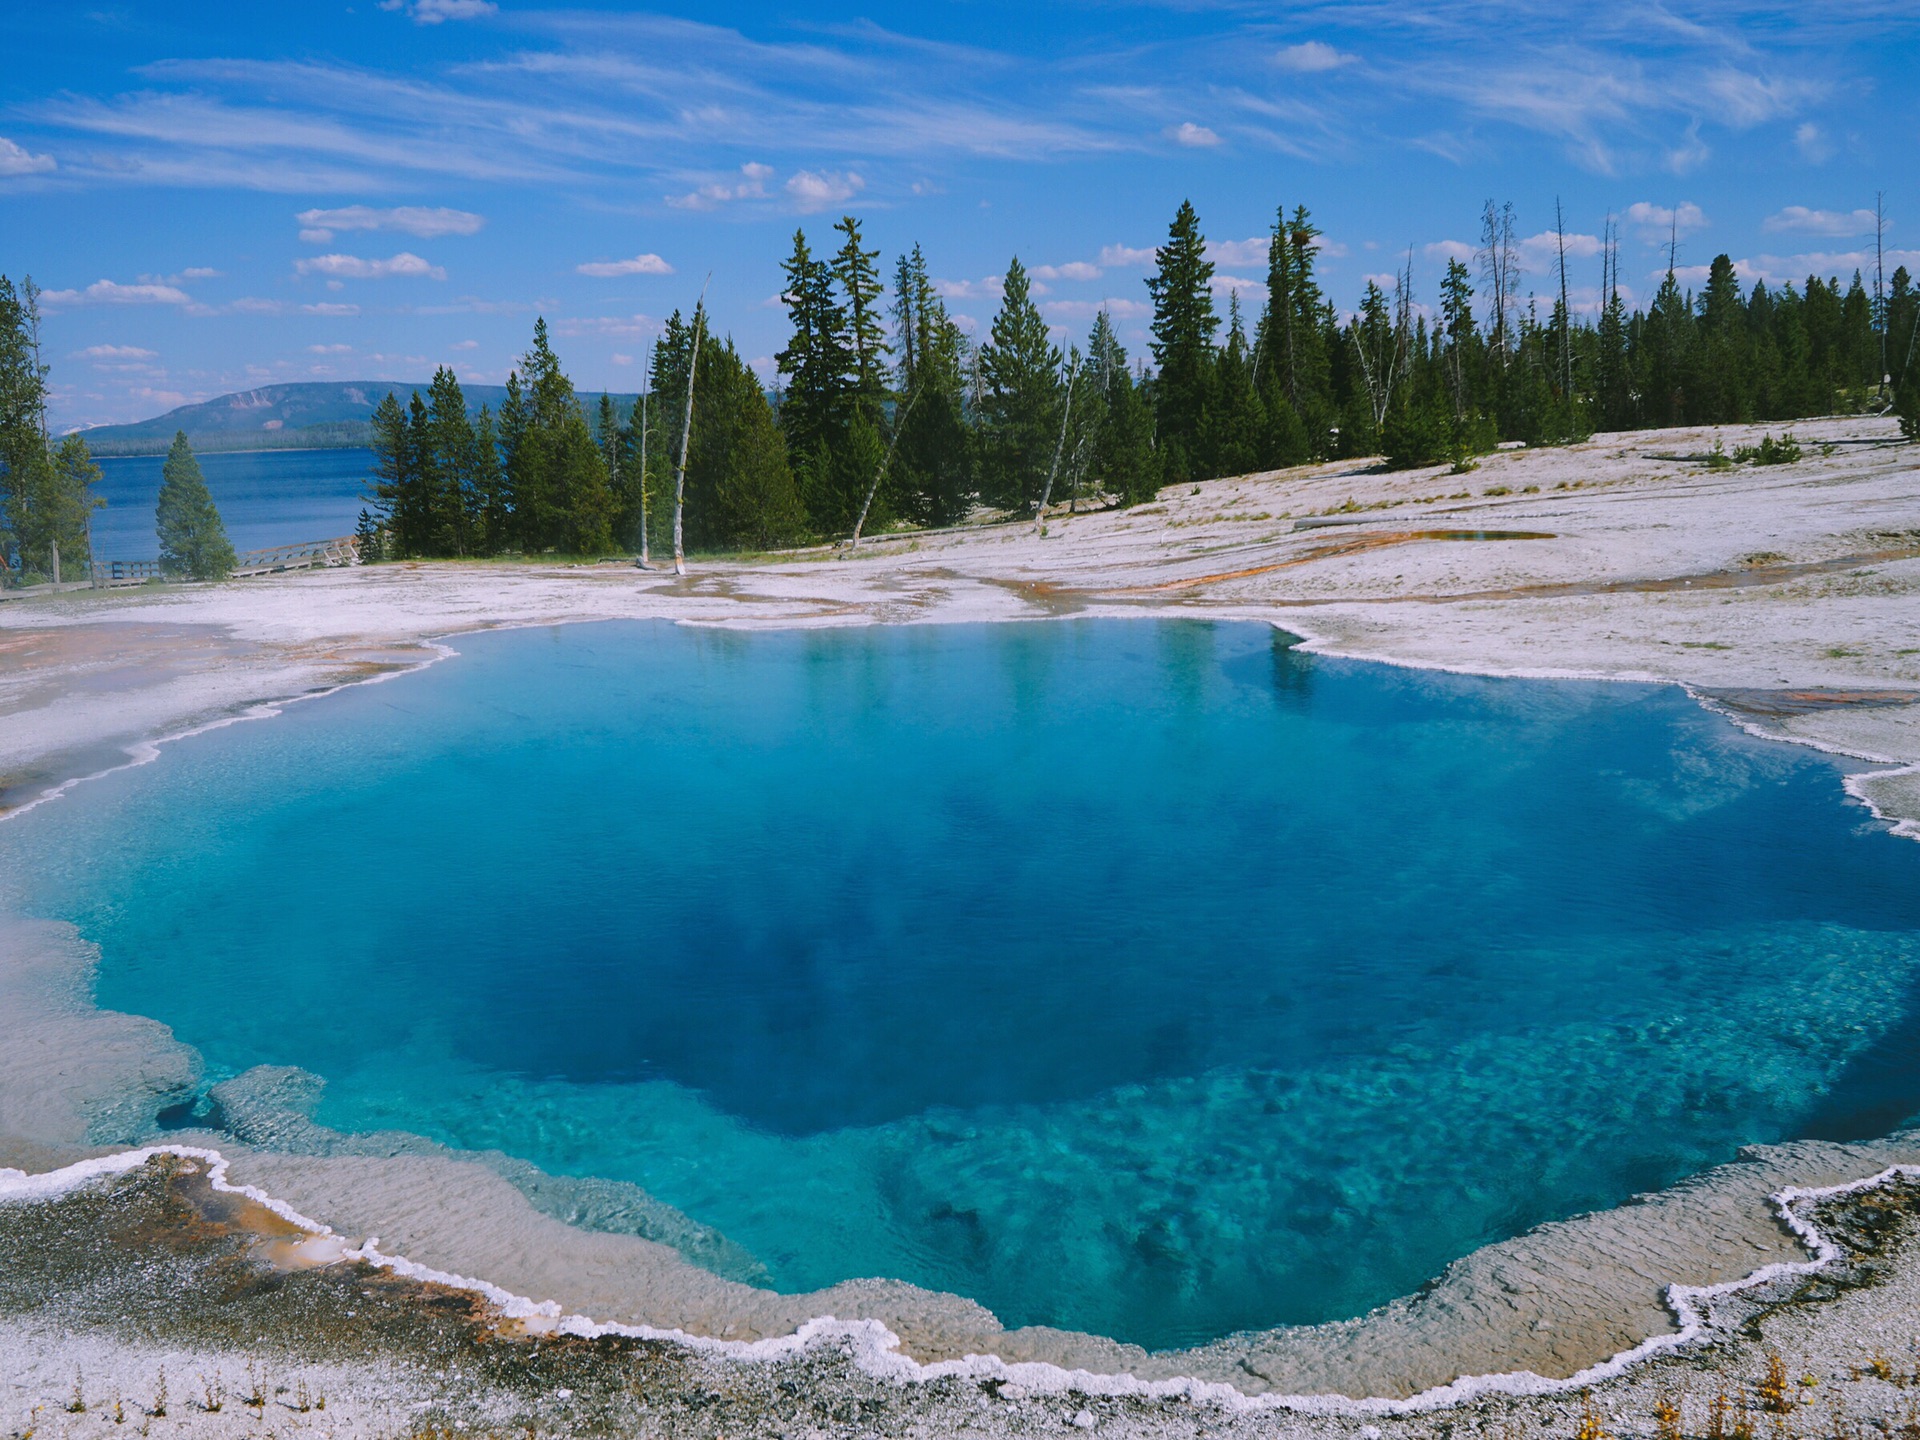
(1784, 451)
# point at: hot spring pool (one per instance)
(1146, 978)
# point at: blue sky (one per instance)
(220, 195)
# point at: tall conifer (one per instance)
(1183, 326)
(193, 542)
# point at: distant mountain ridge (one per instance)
(309, 415)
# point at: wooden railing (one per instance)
(308, 555)
(311, 555)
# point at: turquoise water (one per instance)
(265, 498)
(1144, 978)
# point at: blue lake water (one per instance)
(1139, 977)
(265, 498)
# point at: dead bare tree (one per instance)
(1066, 413)
(1880, 283)
(1566, 314)
(686, 433)
(646, 386)
(1500, 267)
(886, 461)
(1382, 369)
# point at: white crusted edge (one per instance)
(875, 1349)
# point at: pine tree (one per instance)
(1123, 463)
(193, 542)
(397, 481)
(932, 476)
(492, 522)
(859, 281)
(25, 468)
(70, 506)
(818, 365)
(451, 456)
(1183, 326)
(1291, 370)
(740, 491)
(369, 540)
(1019, 373)
(1234, 423)
(556, 478)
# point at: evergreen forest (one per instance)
(885, 414)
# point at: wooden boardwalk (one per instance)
(307, 555)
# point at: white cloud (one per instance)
(464, 345)
(1311, 57)
(1448, 250)
(648, 264)
(990, 288)
(329, 349)
(1118, 308)
(435, 12)
(813, 190)
(1072, 270)
(330, 307)
(1659, 221)
(619, 359)
(1744, 100)
(711, 197)
(1197, 137)
(1542, 251)
(114, 352)
(1745, 271)
(16, 161)
(1126, 257)
(353, 267)
(1239, 252)
(319, 226)
(1812, 142)
(619, 325)
(108, 292)
(1821, 222)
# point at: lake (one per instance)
(1140, 977)
(265, 498)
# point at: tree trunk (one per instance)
(1066, 413)
(885, 462)
(644, 556)
(686, 434)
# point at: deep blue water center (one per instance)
(1147, 978)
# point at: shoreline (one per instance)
(714, 598)
(876, 1350)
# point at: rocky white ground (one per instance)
(1789, 596)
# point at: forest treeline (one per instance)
(885, 412)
